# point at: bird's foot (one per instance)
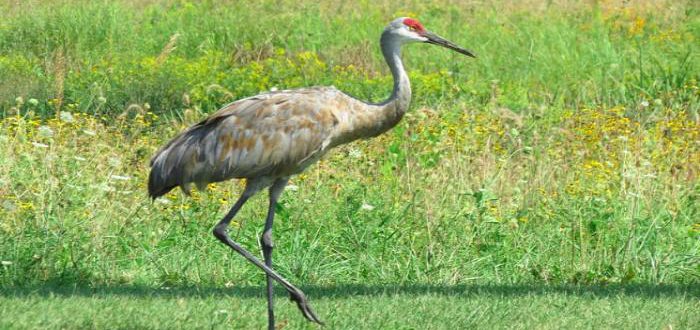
(304, 306)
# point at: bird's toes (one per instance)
(304, 306)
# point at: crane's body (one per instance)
(273, 135)
(270, 137)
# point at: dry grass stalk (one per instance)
(169, 48)
(59, 72)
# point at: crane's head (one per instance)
(407, 30)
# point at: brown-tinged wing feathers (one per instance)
(268, 134)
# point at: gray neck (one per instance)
(373, 119)
(401, 95)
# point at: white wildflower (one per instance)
(355, 153)
(644, 104)
(40, 145)
(66, 116)
(292, 187)
(367, 207)
(45, 131)
(33, 102)
(163, 201)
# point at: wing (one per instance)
(278, 133)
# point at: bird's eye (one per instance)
(411, 28)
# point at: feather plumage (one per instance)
(273, 134)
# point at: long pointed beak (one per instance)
(440, 41)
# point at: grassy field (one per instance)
(360, 307)
(550, 183)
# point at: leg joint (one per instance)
(220, 232)
(266, 239)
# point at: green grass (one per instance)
(543, 55)
(550, 183)
(358, 307)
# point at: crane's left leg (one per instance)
(252, 186)
(266, 243)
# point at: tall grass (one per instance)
(567, 153)
(558, 55)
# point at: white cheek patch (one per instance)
(409, 36)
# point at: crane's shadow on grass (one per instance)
(353, 290)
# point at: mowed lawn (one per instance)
(550, 183)
(358, 307)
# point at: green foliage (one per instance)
(561, 163)
(165, 52)
(355, 307)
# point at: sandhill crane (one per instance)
(267, 138)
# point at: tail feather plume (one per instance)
(173, 164)
(156, 187)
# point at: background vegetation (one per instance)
(552, 182)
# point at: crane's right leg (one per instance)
(220, 233)
(266, 242)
